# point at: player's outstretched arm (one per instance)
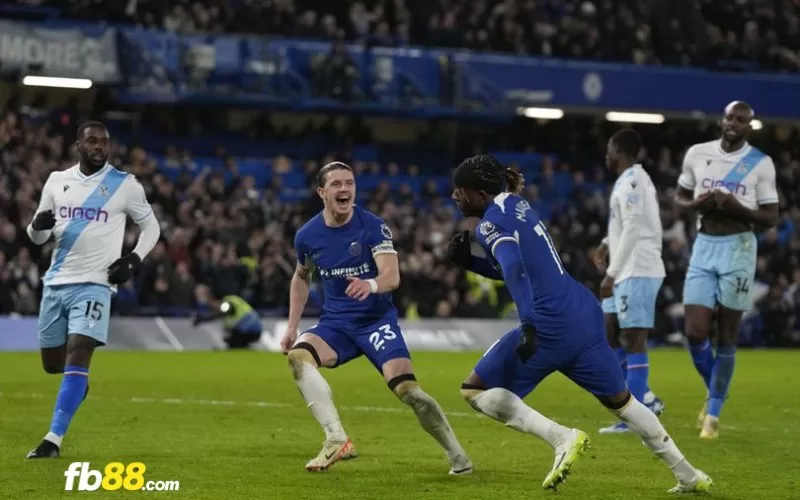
(44, 220)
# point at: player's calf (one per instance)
(722, 373)
(506, 407)
(74, 388)
(698, 325)
(646, 425)
(637, 361)
(432, 419)
(304, 362)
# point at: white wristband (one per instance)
(373, 285)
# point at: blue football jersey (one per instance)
(558, 300)
(335, 253)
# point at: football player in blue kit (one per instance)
(351, 250)
(562, 327)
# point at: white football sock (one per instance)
(318, 396)
(432, 418)
(53, 438)
(506, 407)
(645, 423)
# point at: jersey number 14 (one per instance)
(542, 232)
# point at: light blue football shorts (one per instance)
(634, 301)
(82, 308)
(721, 271)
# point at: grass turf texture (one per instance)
(232, 425)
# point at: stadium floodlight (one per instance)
(621, 116)
(756, 124)
(57, 82)
(542, 113)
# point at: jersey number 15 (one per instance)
(542, 232)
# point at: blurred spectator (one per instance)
(717, 34)
(223, 233)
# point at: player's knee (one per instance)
(616, 402)
(407, 390)
(635, 339)
(302, 353)
(470, 393)
(696, 331)
(53, 368)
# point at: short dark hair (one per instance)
(330, 167)
(628, 142)
(83, 126)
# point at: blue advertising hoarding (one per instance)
(249, 70)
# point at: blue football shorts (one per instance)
(380, 342)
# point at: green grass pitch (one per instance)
(233, 426)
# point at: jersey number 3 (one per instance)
(377, 340)
(542, 232)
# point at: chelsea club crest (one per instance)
(355, 249)
(486, 228)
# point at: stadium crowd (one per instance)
(719, 34)
(223, 238)
(235, 238)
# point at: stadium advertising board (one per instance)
(177, 334)
(59, 52)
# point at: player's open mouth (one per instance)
(342, 201)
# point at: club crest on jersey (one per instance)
(355, 249)
(742, 168)
(386, 232)
(486, 228)
(103, 190)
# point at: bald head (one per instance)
(741, 107)
(735, 124)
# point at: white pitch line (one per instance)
(368, 409)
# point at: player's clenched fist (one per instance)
(287, 341)
(359, 289)
(44, 220)
(459, 251)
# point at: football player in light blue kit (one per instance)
(84, 208)
(561, 327)
(731, 185)
(635, 271)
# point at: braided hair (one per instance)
(485, 173)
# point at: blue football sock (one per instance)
(622, 356)
(638, 370)
(721, 379)
(73, 390)
(703, 358)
